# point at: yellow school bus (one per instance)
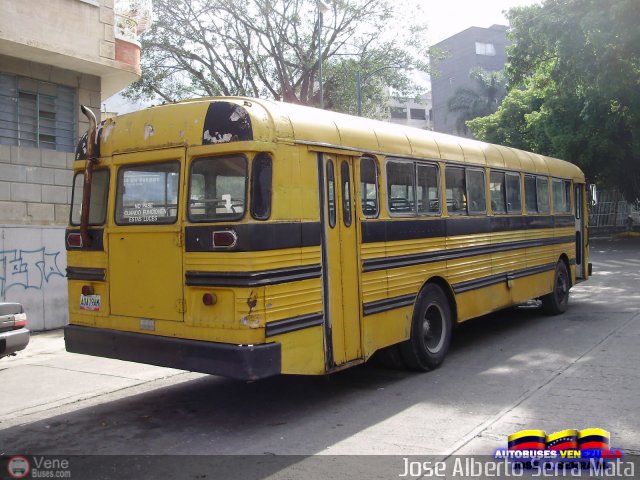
(248, 238)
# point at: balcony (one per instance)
(131, 18)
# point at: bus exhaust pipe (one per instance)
(88, 174)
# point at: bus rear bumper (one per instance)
(243, 362)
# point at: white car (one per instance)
(14, 335)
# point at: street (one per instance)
(510, 371)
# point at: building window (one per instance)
(36, 114)
(398, 112)
(487, 49)
(418, 114)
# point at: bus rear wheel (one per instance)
(557, 301)
(431, 329)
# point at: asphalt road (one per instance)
(506, 372)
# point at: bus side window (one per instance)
(530, 194)
(331, 194)
(261, 175)
(400, 188)
(542, 194)
(561, 196)
(514, 194)
(217, 188)
(497, 190)
(369, 187)
(98, 201)
(455, 188)
(476, 191)
(345, 179)
(427, 190)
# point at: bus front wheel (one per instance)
(557, 301)
(431, 329)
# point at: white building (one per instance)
(54, 56)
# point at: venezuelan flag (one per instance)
(527, 440)
(563, 440)
(593, 439)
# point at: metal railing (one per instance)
(610, 210)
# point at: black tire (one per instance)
(557, 301)
(431, 330)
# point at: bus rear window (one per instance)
(148, 194)
(218, 189)
(99, 196)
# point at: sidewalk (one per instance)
(44, 376)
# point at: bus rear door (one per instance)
(580, 232)
(145, 244)
(341, 268)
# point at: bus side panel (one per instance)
(386, 328)
(87, 260)
(302, 351)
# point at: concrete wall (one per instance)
(35, 192)
(33, 263)
(72, 28)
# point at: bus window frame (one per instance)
(512, 211)
(402, 161)
(73, 194)
(438, 190)
(548, 210)
(535, 194)
(252, 182)
(565, 183)
(246, 187)
(504, 191)
(463, 212)
(330, 172)
(345, 181)
(134, 165)
(475, 213)
(377, 186)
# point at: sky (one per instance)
(443, 18)
(448, 17)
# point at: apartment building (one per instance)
(54, 56)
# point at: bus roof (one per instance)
(228, 119)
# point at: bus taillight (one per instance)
(87, 290)
(225, 238)
(209, 299)
(74, 240)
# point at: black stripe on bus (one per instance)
(452, 254)
(499, 278)
(388, 304)
(254, 237)
(252, 279)
(88, 274)
(413, 229)
(405, 300)
(293, 324)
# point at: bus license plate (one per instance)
(90, 302)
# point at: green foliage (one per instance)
(470, 103)
(269, 49)
(574, 78)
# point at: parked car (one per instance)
(14, 335)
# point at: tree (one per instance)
(269, 48)
(574, 78)
(469, 103)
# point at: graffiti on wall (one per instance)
(27, 269)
